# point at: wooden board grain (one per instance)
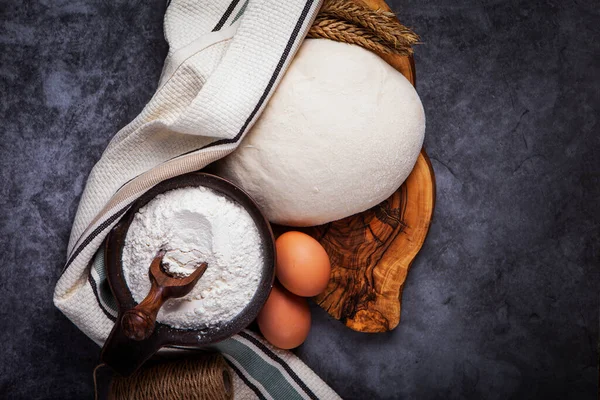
(371, 252)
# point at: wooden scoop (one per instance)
(138, 322)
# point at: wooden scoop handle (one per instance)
(138, 323)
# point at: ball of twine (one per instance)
(351, 21)
(200, 378)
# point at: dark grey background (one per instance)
(502, 302)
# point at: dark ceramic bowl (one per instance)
(125, 355)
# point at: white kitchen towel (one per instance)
(225, 59)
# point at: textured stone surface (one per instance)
(501, 303)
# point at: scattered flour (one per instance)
(193, 225)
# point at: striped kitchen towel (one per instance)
(225, 59)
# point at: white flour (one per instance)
(193, 225)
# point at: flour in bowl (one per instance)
(195, 225)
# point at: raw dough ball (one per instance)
(341, 133)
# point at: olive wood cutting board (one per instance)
(371, 252)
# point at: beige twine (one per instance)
(200, 378)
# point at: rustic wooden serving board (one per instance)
(371, 252)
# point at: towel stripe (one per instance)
(239, 14)
(269, 376)
(279, 360)
(95, 290)
(226, 15)
(247, 379)
(100, 286)
(95, 233)
(282, 372)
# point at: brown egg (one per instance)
(285, 319)
(302, 264)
